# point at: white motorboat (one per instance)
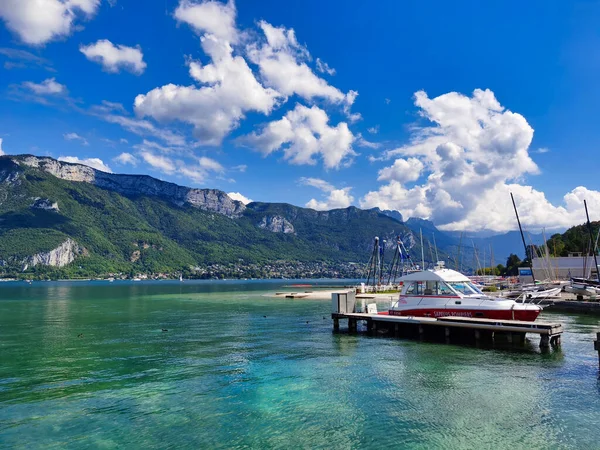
(446, 292)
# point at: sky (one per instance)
(436, 109)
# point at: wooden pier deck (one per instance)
(449, 328)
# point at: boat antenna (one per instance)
(422, 253)
(523, 237)
(591, 239)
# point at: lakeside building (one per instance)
(560, 268)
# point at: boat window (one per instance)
(415, 288)
(465, 288)
(445, 290)
(431, 288)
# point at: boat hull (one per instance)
(528, 315)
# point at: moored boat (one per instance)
(445, 292)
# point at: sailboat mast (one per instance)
(523, 237)
(591, 239)
(422, 252)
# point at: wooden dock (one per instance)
(450, 329)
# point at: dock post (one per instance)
(544, 340)
(369, 326)
(597, 347)
(447, 333)
(509, 338)
(396, 330)
(555, 341)
(421, 331)
(374, 327)
(336, 324)
(477, 337)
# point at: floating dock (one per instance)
(448, 329)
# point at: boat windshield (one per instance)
(465, 288)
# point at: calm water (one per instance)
(223, 375)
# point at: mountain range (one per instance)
(59, 219)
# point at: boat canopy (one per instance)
(447, 275)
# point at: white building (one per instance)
(561, 268)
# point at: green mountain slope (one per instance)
(121, 225)
(575, 240)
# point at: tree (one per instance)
(513, 262)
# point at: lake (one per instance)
(87, 365)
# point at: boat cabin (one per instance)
(441, 283)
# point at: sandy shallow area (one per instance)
(325, 294)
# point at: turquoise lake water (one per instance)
(225, 376)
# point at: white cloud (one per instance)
(145, 128)
(23, 59)
(95, 163)
(113, 58)
(123, 141)
(472, 153)
(126, 158)
(239, 197)
(542, 150)
(362, 142)
(211, 17)
(75, 137)
(210, 164)
(281, 61)
(37, 22)
(402, 171)
(1, 151)
(228, 90)
(47, 87)
(162, 163)
(240, 168)
(196, 170)
(303, 133)
(373, 130)
(323, 67)
(336, 198)
(317, 183)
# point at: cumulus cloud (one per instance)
(335, 199)
(95, 163)
(373, 130)
(282, 65)
(210, 17)
(303, 134)
(239, 197)
(75, 137)
(47, 87)
(37, 22)
(228, 89)
(403, 171)
(471, 152)
(113, 58)
(125, 159)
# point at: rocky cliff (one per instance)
(206, 199)
(60, 256)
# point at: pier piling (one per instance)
(597, 347)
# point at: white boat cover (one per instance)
(447, 275)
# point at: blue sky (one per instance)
(435, 109)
